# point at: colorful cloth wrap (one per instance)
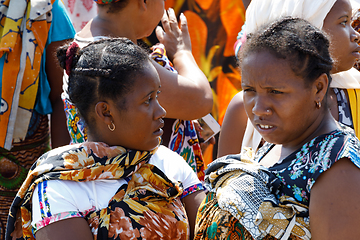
(246, 190)
(248, 201)
(23, 39)
(147, 198)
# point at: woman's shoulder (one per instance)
(341, 139)
(330, 147)
(174, 166)
(169, 161)
(166, 156)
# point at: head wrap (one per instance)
(102, 2)
(261, 12)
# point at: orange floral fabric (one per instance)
(147, 206)
(145, 209)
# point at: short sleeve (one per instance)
(175, 167)
(61, 25)
(300, 170)
(56, 200)
(53, 201)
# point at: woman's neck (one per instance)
(323, 124)
(278, 152)
(110, 25)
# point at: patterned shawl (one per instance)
(23, 35)
(247, 191)
(149, 190)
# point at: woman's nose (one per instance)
(355, 36)
(260, 107)
(160, 111)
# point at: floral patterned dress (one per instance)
(149, 197)
(295, 175)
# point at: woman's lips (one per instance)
(356, 54)
(159, 132)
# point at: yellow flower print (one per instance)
(160, 226)
(121, 226)
(78, 159)
(104, 218)
(102, 149)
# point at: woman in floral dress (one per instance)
(303, 183)
(119, 184)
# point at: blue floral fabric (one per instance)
(299, 171)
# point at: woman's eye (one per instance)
(248, 90)
(148, 101)
(344, 22)
(275, 92)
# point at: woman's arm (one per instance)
(186, 95)
(72, 228)
(334, 203)
(233, 127)
(192, 203)
(59, 133)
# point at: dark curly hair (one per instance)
(304, 46)
(102, 70)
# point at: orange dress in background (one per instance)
(214, 26)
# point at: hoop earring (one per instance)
(111, 127)
(318, 104)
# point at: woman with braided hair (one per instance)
(186, 92)
(120, 184)
(303, 183)
(334, 18)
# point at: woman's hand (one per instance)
(199, 130)
(174, 38)
(186, 95)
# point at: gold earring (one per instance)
(318, 104)
(111, 127)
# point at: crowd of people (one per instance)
(121, 157)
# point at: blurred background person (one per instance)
(30, 89)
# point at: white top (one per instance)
(62, 199)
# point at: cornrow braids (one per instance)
(296, 40)
(103, 70)
(93, 72)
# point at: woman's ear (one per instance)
(321, 85)
(143, 4)
(103, 113)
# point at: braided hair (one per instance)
(304, 46)
(102, 70)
